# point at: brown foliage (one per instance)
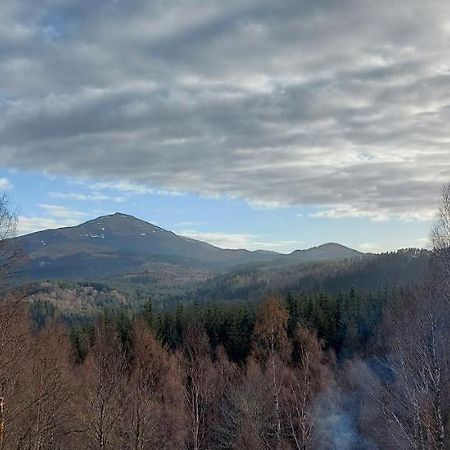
(153, 409)
(272, 349)
(14, 339)
(246, 413)
(37, 383)
(102, 392)
(305, 379)
(8, 253)
(415, 406)
(270, 336)
(199, 387)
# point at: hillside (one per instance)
(121, 244)
(401, 269)
(325, 252)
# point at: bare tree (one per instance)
(247, 413)
(308, 376)
(153, 413)
(102, 392)
(44, 413)
(9, 254)
(14, 346)
(199, 376)
(441, 230)
(272, 349)
(441, 247)
(415, 404)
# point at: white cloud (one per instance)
(35, 223)
(124, 186)
(130, 188)
(379, 247)
(376, 215)
(87, 197)
(62, 212)
(223, 240)
(243, 241)
(54, 216)
(279, 103)
(422, 243)
(5, 184)
(370, 247)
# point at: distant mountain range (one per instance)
(119, 259)
(120, 244)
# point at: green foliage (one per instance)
(147, 313)
(41, 312)
(346, 322)
(81, 338)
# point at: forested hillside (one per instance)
(339, 355)
(405, 269)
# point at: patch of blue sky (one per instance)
(284, 229)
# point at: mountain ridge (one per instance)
(119, 243)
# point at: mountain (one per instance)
(328, 251)
(325, 252)
(120, 244)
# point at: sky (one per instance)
(244, 123)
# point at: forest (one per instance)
(348, 369)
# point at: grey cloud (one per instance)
(335, 104)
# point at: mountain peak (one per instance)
(120, 243)
(333, 245)
(119, 222)
(327, 251)
(118, 215)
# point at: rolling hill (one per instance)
(401, 269)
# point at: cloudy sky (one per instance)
(247, 123)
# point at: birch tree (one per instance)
(102, 392)
(199, 380)
(45, 417)
(9, 254)
(14, 325)
(14, 349)
(415, 405)
(272, 349)
(308, 376)
(153, 411)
